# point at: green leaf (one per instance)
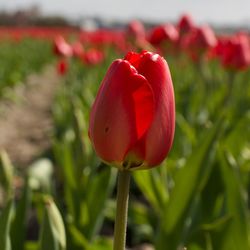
(189, 182)
(101, 243)
(153, 187)
(99, 187)
(235, 235)
(63, 154)
(77, 237)
(19, 224)
(6, 173)
(52, 235)
(239, 135)
(186, 128)
(5, 220)
(29, 245)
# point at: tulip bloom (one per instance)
(93, 57)
(77, 49)
(132, 120)
(62, 67)
(234, 52)
(61, 47)
(163, 33)
(198, 42)
(185, 24)
(135, 30)
(164, 38)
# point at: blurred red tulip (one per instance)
(163, 33)
(205, 37)
(93, 57)
(61, 47)
(185, 24)
(132, 120)
(135, 30)
(102, 38)
(198, 42)
(164, 38)
(62, 67)
(77, 49)
(47, 33)
(234, 52)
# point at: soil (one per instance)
(26, 123)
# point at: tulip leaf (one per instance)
(236, 137)
(29, 245)
(6, 173)
(153, 187)
(186, 128)
(52, 233)
(63, 155)
(77, 237)
(236, 232)
(101, 243)
(99, 188)
(189, 182)
(18, 227)
(5, 221)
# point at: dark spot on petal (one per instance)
(106, 129)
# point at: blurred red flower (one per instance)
(62, 67)
(135, 30)
(61, 47)
(234, 51)
(93, 57)
(185, 24)
(77, 49)
(198, 42)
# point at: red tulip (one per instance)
(135, 30)
(61, 47)
(205, 37)
(165, 38)
(77, 49)
(132, 120)
(93, 57)
(185, 24)
(62, 67)
(234, 52)
(199, 41)
(163, 33)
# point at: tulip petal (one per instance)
(157, 141)
(122, 113)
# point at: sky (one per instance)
(233, 12)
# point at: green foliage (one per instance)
(6, 173)
(19, 59)
(236, 231)
(189, 182)
(19, 223)
(5, 221)
(52, 233)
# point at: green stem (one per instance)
(229, 90)
(121, 210)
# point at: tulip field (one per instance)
(15, 65)
(183, 134)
